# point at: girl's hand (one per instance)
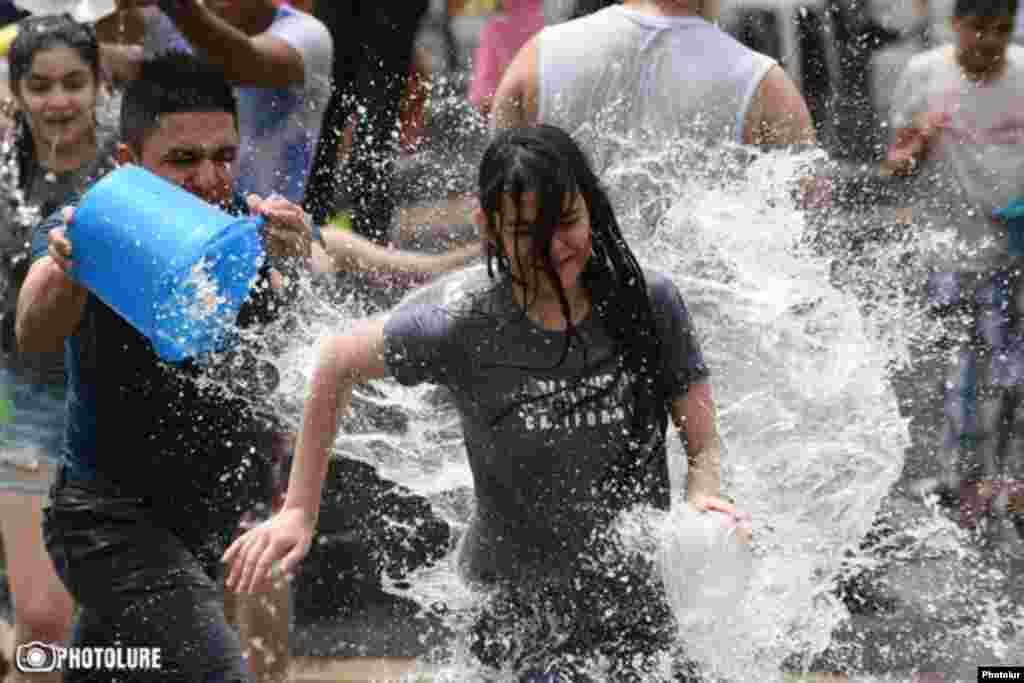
(705, 503)
(285, 537)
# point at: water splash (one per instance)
(802, 342)
(813, 433)
(814, 437)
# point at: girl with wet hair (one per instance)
(52, 153)
(565, 359)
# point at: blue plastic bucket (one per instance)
(1013, 215)
(174, 266)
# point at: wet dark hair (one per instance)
(35, 34)
(173, 82)
(545, 160)
(985, 8)
(47, 32)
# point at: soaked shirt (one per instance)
(665, 78)
(279, 127)
(155, 428)
(545, 474)
(977, 163)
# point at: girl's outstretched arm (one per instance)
(345, 360)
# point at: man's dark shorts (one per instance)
(139, 584)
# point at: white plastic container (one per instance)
(706, 566)
(84, 11)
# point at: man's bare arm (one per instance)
(516, 102)
(778, 114)
(122, 62)
(260, 60)
(50, 307)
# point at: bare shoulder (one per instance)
(515, 102)
(778, 114)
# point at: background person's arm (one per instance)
(914, 126)
(122, 62)
(778, 114)
(350, 252)
(121, 35)
(261, 60)
(516, 102)
(911, 144)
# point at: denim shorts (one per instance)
(32, 418)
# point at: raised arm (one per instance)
(261, 60)
(352, 252)
(122, 62)
(121, 35)
(344, 361)
(778, 114)
(516, 100)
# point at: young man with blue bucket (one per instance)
(157, 469)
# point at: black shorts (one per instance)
(139, 584)
(615, 619)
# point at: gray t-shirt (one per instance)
(977, 163)
(541, 477)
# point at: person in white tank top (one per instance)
(653, 67)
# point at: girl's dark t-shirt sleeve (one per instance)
(684, 360)
(419, 345)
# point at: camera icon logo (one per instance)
(36, 657)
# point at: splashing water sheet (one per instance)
(814, 438)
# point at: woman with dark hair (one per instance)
(565, 360)
(53, 152)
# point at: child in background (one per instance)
(958, 121)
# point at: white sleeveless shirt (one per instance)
(626, 72)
